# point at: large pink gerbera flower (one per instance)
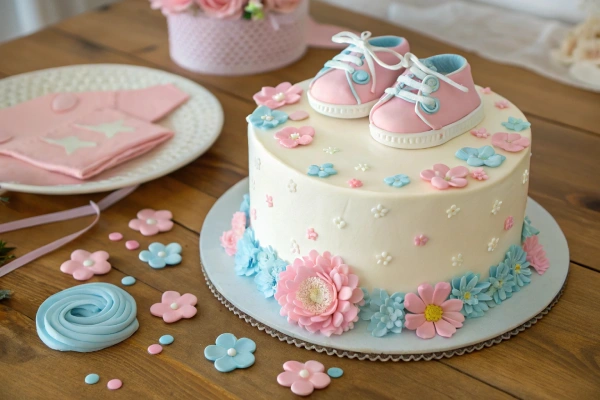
(442, 177)
(320, 294)
(432, 312)
(536, 255)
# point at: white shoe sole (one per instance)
(341, 111)
(427, 139)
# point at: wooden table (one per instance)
(557, 358)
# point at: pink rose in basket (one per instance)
(171, 6)
(222, 9)
(282, 6)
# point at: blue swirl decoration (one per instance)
(87, 318)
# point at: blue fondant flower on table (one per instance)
(246, 257)
(397, 181)
(385, 313)
(245, 208)
(471, 291)
(516, 259)
(322, 171)
(479, 157)
(502, 284)
(516, 124)
(528, 229)
(229, 353)
(158, 255)
(265, 118)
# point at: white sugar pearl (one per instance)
(304, 373)
(162, 254)
(151, 221)
(174, 306)
(231, 352)
(88, 263)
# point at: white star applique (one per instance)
(70, 143)
(110, 129)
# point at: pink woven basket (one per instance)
(237, 47)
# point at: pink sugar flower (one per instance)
(83, 264)
(278, 96)
(432, 313)
(222, 9)
(320, 294)
(174, 306)
(508, 223)
(442, 177)
(269, 200)
(479, 174)
(481, 133)
(150, 222)
(354, 183)
(291, 137)
(229, 242)
(421, 240)
(502, 104)
(536, 255)
(171, 6)
(512, 142)
(486, 90)
(311, 234)
(238, 223)
(253, 214)
(303, 379)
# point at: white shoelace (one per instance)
(362, 46)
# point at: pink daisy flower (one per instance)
(536, 255)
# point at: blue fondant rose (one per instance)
(516, 124)
(265, 118)
(483, 156)
(270, 268)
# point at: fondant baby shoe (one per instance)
(352, 82)
(433, 101)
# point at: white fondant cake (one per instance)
(376, 228)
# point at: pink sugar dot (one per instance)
(154, 348)
(132, 244)
(115, 236)
(114, 384)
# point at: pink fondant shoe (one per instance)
(433, 101)
(355, 79)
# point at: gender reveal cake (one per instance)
(388, 188)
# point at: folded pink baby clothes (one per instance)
(83, 134)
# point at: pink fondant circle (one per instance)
(115, 236)
(132, 244)
(155, 349)
(114, 384)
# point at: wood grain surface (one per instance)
(557, 358)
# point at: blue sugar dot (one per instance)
(166, 339)
(128, 280)
(92, 378)
(335, 372)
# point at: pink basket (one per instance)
(237, 47)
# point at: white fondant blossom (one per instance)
(292, 186)
(384, 258)
(257, 163)
(452, 211)
(457, 261)
(379, 211)
(496, 206)
(362, 167)
(525, 176)
(493, 244)
(331, 150)
(294, 248)
(339, 222)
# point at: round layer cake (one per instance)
(372, 208)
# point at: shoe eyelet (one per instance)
(430, 110)
(361, 77)
(432, 82)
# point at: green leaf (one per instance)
(4, 253)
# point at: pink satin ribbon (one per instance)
(91, 209)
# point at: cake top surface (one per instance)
(348, 146)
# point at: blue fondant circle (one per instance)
(361, 77)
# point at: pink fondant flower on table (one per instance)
(354, 183)
(508, 223)
(320, 294)
(512, 142)
(303, 379)
(291, 137)
(432, 313)
(536, 255)
(83, 264)
(502, 104)
(278, 96)
(174, 306)
(311, 234)
(150, 222)
(479, 174)
(171, 6)
(222, 9)
(443, 177)
(421, 240)
(281, 6)
(481, 133)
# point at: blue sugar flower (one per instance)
(265, 118)
(229, 353)
(516, 124)
(385, 312)
(502, 284)
(158, 255)
(246, 257)
(397, 181)
(528, 230)
(479, 157)
(516, 259)
(267, 278)
(472, 293)
(245, 208)
(323, 171)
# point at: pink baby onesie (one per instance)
(83, 134)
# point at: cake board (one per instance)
(524, 309)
